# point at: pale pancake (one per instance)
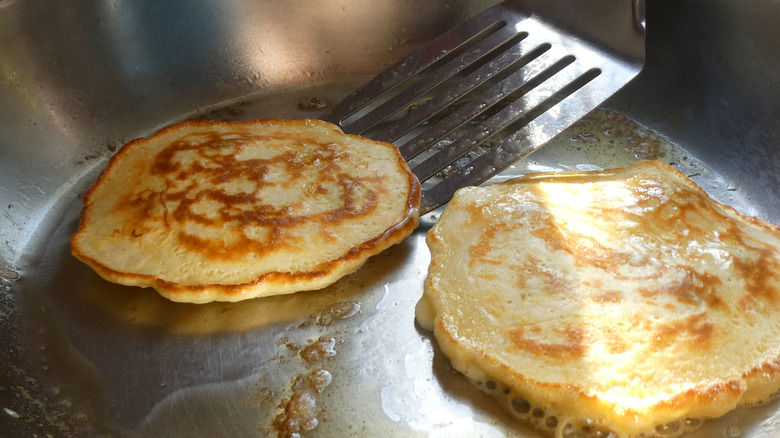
(625, 301)
(206, 211)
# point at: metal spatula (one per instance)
(497, 87)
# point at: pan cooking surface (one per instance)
(84, 357)
(348, 360)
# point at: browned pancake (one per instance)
(625, 301)
(205, 211)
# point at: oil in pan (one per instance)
(348, 360)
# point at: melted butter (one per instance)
(605, 139)
(143, 307)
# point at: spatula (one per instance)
(497, 87)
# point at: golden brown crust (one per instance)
(262, 197)
(627, 300)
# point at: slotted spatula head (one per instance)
(497, 87)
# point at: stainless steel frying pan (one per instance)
(82, 357)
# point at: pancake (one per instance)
(205, 211)
(623, 301)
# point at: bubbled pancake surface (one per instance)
(625, 301)
(206, 211)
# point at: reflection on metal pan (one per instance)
(87, 358)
